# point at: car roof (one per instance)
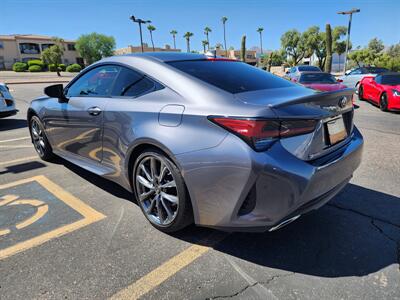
(168, 56)
(389, 73)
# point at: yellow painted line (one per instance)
(4, 232)
(166, 270)
(16, 139)
(41, 211)
(89, 215)
(10, 162)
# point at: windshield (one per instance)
(391, 79)
(317, 78)
(308, 68)
(372, 70)
(231, 76)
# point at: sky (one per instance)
(69, 19)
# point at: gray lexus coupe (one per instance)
(206, 140)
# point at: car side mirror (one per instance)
(287, 72)
(56, 91)
(347, 72)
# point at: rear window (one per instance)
(308, 68)
(231, 76)
(390, 79)
(317, 78)
(373, 70)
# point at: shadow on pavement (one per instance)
(9, 124)
(350, 236)
(20, 168)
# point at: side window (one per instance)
(356, 72)
(292, 69)
(132, 84)
(378, 79)
(95, 83)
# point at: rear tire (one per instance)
(361, 93)
(161, 192)
(39, 139)
(383, 102)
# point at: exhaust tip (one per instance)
(284, 223)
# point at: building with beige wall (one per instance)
(25, 47)
(251, 57)
(137, 49)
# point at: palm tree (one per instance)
(151, 28)
(207, 30)
(174, 33)
(205, 43)
(187, 35)
(224, 19)
(260, 30)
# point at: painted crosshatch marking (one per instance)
(36, 210)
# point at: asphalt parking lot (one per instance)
(66, 233)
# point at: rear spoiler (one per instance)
(328, 96)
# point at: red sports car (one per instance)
(384, 90)
(320, 81)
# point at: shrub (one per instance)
(19, 67)
(52, 67)
(35, 68)
(62, 67)
(36, 62)
(74, 68)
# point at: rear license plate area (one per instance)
(336, 130)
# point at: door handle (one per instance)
(94, 111)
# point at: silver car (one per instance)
(204, 140)
(7, 103)
(353, 77)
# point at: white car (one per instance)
(7, 102)
(352, 78)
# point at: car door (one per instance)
(353, 78)
(75, 126)
(375, 88)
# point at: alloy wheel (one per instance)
(156, 190)
(38, 137)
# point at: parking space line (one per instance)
(168, 269)
(15, 146)
(16, 139)
(89, 214)
(3, 163)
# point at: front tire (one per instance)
(383, 102)
(161, 192)
(361, 93)
(39, 139)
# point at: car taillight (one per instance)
(261, 134)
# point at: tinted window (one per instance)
(391, 79)
(233, 77)
(373, 70)
(308, 68)
(378, 79)
(132, 84)
(317, 78)
(356, 72)
(95, 83)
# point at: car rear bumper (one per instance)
(235, 188)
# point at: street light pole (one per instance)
(140, 22)
(350, 13)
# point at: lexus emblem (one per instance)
(343, 102)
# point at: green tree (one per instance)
(174, 33)
(223, 20)
(375, 45)
(243, 49)
(53, 54)
(151, 28)
(207, 31)
(204, 43)
(187, 36)
(95, 46)
(293, 44)
(328, 41)
(314, 43)
(260, 30)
